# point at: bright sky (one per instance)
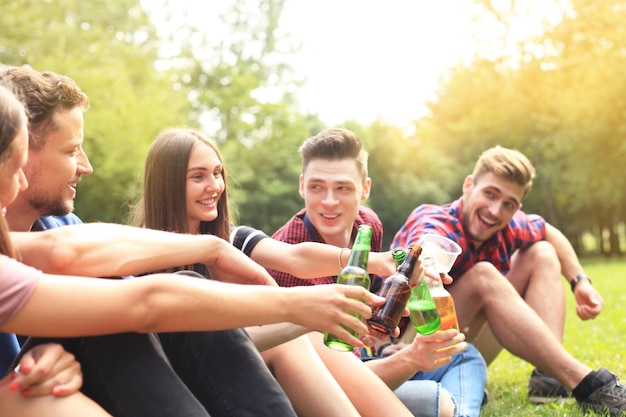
(365, 59)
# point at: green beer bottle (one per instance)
(354, 273)
(422, 308)
(399, 255)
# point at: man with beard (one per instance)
(127, 373)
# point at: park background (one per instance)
(556, 92)
(547, 77)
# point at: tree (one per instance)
(557, 97)
(244, 93)
(109, 48)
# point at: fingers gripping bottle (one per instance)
(422, 308)
(354, 273)
(396, 289)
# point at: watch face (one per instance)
(578, 278)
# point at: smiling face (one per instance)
(54, 170)
(489, 204)
(204, 185)
(12, 179)
(332, 192)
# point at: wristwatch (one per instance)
(577, 278)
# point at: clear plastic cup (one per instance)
(443, 250)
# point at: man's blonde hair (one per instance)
(506, 163)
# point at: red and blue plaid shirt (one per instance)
(295, 231)
(447, 220)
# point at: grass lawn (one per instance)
(601, 342)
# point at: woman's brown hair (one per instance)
(163, 204)
(12, 117)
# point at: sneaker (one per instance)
(543, 388)
(608, 395)
(485, 398)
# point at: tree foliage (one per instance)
(557, 94)
(560, 100)
(109, 47)
(244, 90)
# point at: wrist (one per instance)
(340, 260)
(580, 277)
(379, 351)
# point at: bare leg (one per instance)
(307, 382)
(515, 324)
(76, 405)
(536, 275)
(369, 394)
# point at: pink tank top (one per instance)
(17, 284)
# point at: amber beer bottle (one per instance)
(396, 290)
(422, 308)
(445, 304)
(354, 273)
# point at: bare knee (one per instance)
(447, 406)
(481, 279)
(541, 255)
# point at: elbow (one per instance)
(59, 256)
(148, 307)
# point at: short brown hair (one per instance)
(44, 93)
(335, 144)
(506, 163)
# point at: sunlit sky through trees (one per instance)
(364, 59)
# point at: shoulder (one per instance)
(245, 238)
(17, 283)
(367, 216)
(294, 230)
(522, 219)
(429, 217)
(527, 227)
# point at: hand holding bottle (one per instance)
(354, 273)
(430, 352)
(396, 289)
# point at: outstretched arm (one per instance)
(312, 259)
(69, 306)
(102, 249)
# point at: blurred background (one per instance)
(427, 85)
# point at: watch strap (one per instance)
(577, 278)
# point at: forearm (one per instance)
(570, 264)
(156, 303)
(100, 249)
(271, 335)
(169, 302)
(313, 260)
(394, 370)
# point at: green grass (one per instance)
(599, 342)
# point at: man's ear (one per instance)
(468, 184)
(367, 187)
(301, 187)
